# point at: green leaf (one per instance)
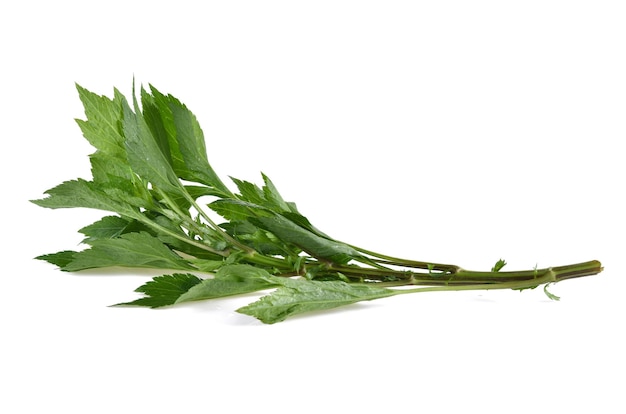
(230, 280)
(285, 230)
(249, 192)
(498, 266)
(128, 250)
(272, 196)
(104, 167)
(315, 245)
(125, 192)
(115, 178)
(206, 265)
(164, 290)
(238, 210)
(267, 197)
(107, 228)
(302, 221)
(297, 296)
(170, 118)
(87, 194)
(60, 259)
(103, 125)
(145, 155)
(155, 119)
(191, 144)
(260, 240)
(196, 191)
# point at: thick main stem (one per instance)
(516, 280)
(560, 273)
(390, 260)
(457, 276)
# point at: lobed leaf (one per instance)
(146, 156)
(249, 192)
(128, 250)
(296, 296)
(498, 266)
(107, 228)
(87, 194)
(105, 168)
(274, 200)
(230, 280)
(60, 259)
(103, 125)
(164, 290)
(238, 210)
(173, 122)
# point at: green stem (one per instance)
(185, 239)
(560, 273)
(469, 279)
(227, 237)
(183, 216)
(390, 260)
(258, 258)
(525, 284)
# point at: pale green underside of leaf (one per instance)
(296, 296)
(293, 296)
(177, 288)
(230, 280)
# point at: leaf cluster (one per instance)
(168, 209)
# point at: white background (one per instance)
(451, 131)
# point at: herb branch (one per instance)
(151, 170)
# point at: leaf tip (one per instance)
(499, 265)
